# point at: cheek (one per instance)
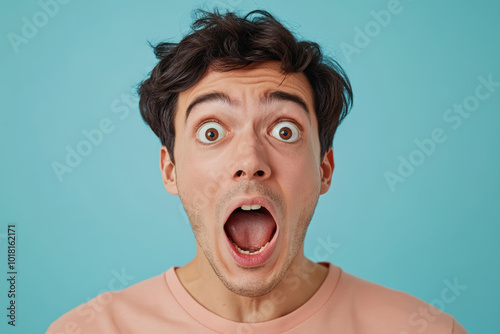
(199, 179)
(302, 166)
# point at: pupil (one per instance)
(212, 134)
(285, 133)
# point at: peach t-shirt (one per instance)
(343, 304)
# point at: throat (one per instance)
(250, 231)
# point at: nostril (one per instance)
(257, 173)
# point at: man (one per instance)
(246, 115)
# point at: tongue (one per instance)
(250, 230)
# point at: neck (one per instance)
(299, 284)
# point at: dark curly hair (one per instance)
(227, 42)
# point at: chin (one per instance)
(252, 282)
(250, 288)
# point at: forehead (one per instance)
(253, 81)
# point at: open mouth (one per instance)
(250, 229)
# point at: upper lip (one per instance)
(262, 201)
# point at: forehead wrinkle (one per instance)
(265, 81)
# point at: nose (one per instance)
(250, 160)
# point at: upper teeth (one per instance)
(250, 207)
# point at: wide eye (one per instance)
(285, 131)
(210, 132)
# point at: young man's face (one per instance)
(246, 139)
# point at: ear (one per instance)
(167, 168)
(327, 167)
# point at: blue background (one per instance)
(111, 213)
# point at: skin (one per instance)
(246, 162)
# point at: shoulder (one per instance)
(370, 304)
(109, 311)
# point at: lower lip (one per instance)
(249, 261)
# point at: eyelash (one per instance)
(205, 121)
(284, 119)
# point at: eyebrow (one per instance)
(282, 96)
(267, 99)
(209, 97)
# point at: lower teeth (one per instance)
(248, 252)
